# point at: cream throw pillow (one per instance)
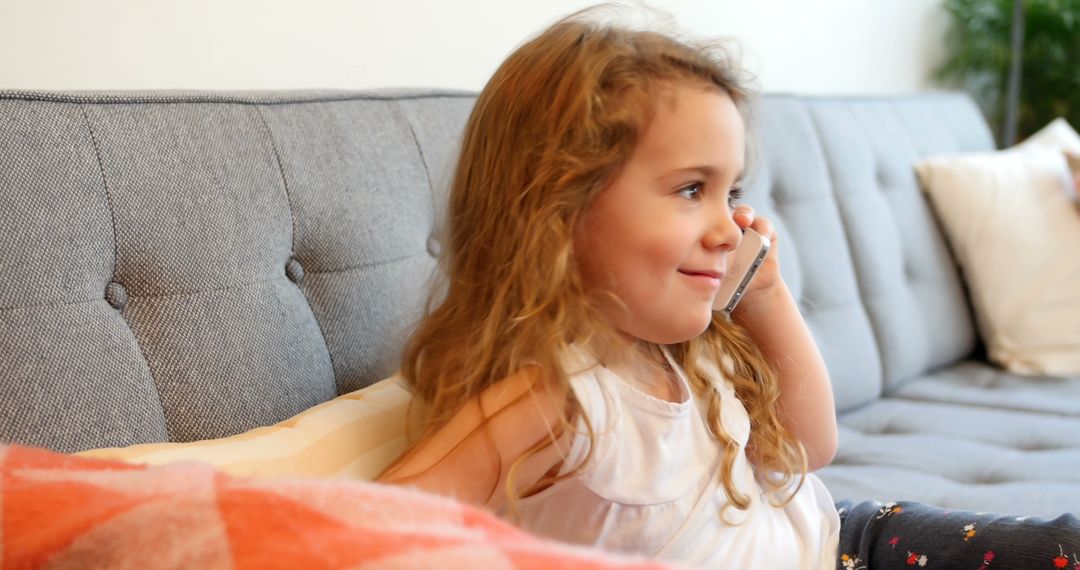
(353, 436)
(1015, 233)
(1074, 165)
(1059, 134)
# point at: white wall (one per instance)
(821, 46)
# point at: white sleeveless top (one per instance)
(653, 487)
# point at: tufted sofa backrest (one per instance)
(179, 266)
(189, 265)
(861, 249)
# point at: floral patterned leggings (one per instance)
(914, 535)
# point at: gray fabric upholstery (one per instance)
(973, 383)
(182, 265)
(861, 249)
(963, 457)
(189, 208)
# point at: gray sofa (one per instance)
(189, 265)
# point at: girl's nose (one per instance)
(723, 232)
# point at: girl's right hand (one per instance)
(767, 282)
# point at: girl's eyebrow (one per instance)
(704, 169)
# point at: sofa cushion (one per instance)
(183, 266)
(974, 383)
(354, 436)
(958, 456)
(860, 248)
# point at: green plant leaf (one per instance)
(979, 55)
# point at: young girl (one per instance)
(575, 376)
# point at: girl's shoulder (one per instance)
(469, 455)
(719, 371)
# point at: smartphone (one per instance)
(743, 263)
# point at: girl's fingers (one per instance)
(764, 227)
(744, 216)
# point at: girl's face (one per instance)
(659, 235)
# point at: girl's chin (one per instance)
(689, 331)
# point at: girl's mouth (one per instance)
(706, 278)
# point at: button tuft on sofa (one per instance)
(882, 179)
(909, 269)
(434, 248)
(991, 478)
(294, 271)
(116, 295)
(1036, 446)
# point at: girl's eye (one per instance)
(691, 192)
(734, 195)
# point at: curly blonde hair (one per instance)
(551, 128)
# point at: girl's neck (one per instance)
(644, 365)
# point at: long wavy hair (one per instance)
(550, 129)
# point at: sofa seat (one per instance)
(972, 383)
(959, 456)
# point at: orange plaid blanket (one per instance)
(60, 511)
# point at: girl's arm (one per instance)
(770, 314)
(470, 457)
